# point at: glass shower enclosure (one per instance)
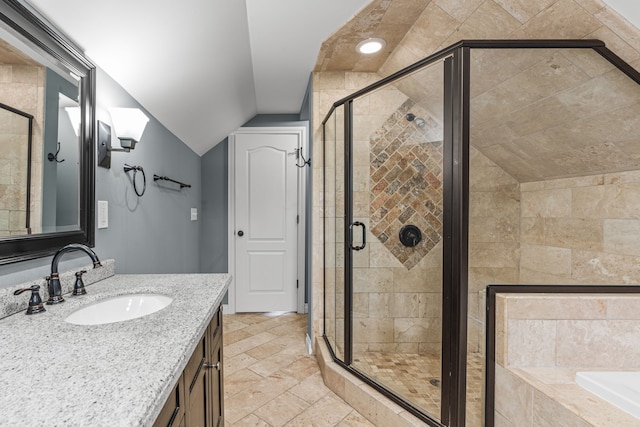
(404, 307)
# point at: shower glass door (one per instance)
(394, 234)
(334, 218)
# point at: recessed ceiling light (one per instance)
(370, 46)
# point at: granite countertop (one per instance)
(57, 374)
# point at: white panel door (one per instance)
(266, 184)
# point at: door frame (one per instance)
(303, 143)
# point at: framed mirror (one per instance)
(47, 117)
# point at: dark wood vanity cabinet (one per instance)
(197, 400)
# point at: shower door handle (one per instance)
(364, 236)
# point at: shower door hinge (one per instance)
(297, 219)
(297, 284)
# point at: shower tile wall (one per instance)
(397, 291)
(395, 309)
(29, 97)
(582, 230)
(494, 232)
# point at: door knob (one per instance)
(240, 233)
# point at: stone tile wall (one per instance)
(21, 87)
(395, 309)
(542, 340)
(581, 230)
(494, 238)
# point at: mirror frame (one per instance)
(41, 35)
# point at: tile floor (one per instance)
(269, 380)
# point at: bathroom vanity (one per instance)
(164, 368)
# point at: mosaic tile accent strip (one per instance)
(406, 181)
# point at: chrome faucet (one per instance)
(53, 281)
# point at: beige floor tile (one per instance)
(354, 419)
(312, 389)
(235, 336)
(248, 343)
(328, 411)
(282, 409)
(271, 381)
(267, 349)
(237, 362)
(239, 381)
(249, 421)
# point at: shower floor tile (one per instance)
(417, 377)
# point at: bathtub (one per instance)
(621, 389)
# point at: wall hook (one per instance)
(298, 154)
(53, 157)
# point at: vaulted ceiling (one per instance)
(203, 68)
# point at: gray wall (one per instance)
(151, 234)
(68, 172)
(214, 241)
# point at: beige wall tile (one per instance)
(531, 343)
(606, 344)
(546, 203)
(574, 233)
(548, 412)
(607, 201)
(494, 255)
(480, 277)
(488, 21)
(373, 280)
(601, 268)
(417, 330)
(485, 204)
(459, 9)
(620, 26)
(494, 229)
(381, 305)
(552, 23)
(538, 277)
(532, 230)
(547, 259)
(406, 304)
(429, 31)
(513, 398)
(417, 280)
(621, 236)
(524, 10)
(551, 307)
(373, 330)
(624, 307)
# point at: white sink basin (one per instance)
(119, 309)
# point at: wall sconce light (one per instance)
(129, 124)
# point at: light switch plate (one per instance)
(103, 214)
(194, 214)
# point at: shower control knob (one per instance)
(410, 235)
(240, 233)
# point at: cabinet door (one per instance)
(197, 381)
(217, 389)
(172, 414)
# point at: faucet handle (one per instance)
(35, 302)
(78, 287)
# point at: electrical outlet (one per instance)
(194, 214)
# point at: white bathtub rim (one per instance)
(620, 388)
